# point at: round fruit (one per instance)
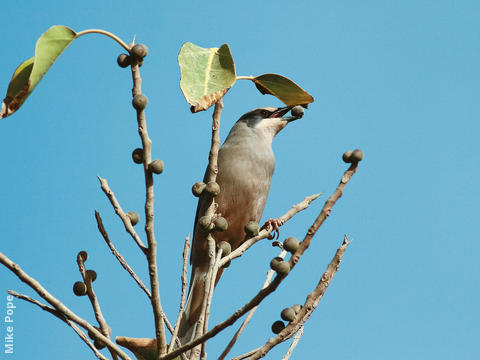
(92, 274)
(139, 51)
(205, 223)
(297, 308)
(291, 244)
(83, 255)
(139, 102)
(297, 111)
(280, 266)
(137, 156)
(275, 261)
(226, 248)
(288, 314)
(198, 188)
(99, 345)
(220, 223)
(278, 326)
(134, 217)
(212, 188)
(347, 156)
(156, 166)
(79, 288)
(252, 229)
(123, 60)
(357, 155)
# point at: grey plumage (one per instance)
(245, 168)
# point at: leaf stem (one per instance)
(245, 77)
(104, 32)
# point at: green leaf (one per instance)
(282, 88)
(26, 77)
(142, 348)
(206, 74)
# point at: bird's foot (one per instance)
(275, 223)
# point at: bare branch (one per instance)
(54, 312)
(276, 282)
(305, 203)
(235, 337)
(310, 304)
(186, 251)
(294, 343)
(149, 216)
(58, 305)
(119, 257)
(93, 298)
(118, 210)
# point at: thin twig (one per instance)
(294, 343)
(104, 328)
(264, 233)
(149, 217)
(310, 304)
(54, 312)
(103, 32)
(235, 337)
(119, 257)
(262, 294)
(209, 297)
(118, 210)
(186, 251)
(246, 355)
(58, 305)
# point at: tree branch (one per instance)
(118, 210)
(54, 312)
(149, 216)
(58, 305)
(277, 280)
(119, 257)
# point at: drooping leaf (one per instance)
(26, 77)
(206, 74)
(282, 88)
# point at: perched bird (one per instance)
(245, 168)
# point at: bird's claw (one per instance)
(275, 223)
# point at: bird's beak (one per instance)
(282, 111)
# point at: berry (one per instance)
(226, 248)
(205, 223)
(139, 51)
(137, 156)
(198, 188)
(99, 345)
(79, 288)
(291, 244)
(298, 111)
(212, 188)
(357, 155)
(220, 223)
(134, 217)
(281, 267)
(288, 314)
(123, 60)
(156, 166)
(83, 255)
(92, 274)
(296, 308)
(252, 229)
(347, 156)
(139, 102)
(278, 326)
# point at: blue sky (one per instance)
(398, 79)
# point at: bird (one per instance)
(245, 167)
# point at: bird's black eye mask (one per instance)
(253, 118)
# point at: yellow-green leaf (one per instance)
(282, 88)
(206, 74)
(142, 348)
(26, 77)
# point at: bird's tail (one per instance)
(193, 306)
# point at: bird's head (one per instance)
(267, 121)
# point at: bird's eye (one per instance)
(265, 113)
